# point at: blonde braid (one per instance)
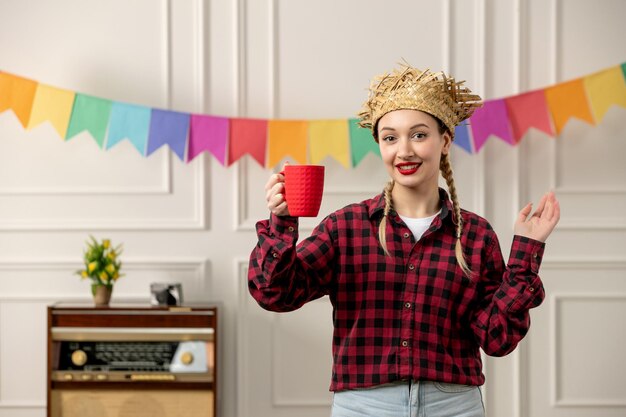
(446, 172)
(382, 236)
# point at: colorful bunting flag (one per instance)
(567, 100)
(361, 142)
(91, 114)
(287, 138)
(247, 136)
(131, 122)
(168, 128)
(604, 89)
(329, 138)
(528, 110)
(208, 133)
(228, 139)
(53, 105)
(17, 94)
(462, 137)
(491, 119)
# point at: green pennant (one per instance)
(90, 114)
(361, 142)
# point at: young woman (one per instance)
(418, 285)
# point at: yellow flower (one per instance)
(104, 276)
(112, 255)
(116, 276)
(110, 269)
(106, 243)
(84, 274)
(92, 266)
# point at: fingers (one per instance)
(524, 212)
(541, 206)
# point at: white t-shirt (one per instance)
(419, 225)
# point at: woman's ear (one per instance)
(447, 142)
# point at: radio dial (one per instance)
(79, 357)
(186, 358)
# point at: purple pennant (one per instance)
(208, 133)
(491, 119)
(168, 128)
(462, 138)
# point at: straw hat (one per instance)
(409, 88)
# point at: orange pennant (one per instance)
(606, 88)
(287, 138)
(329, 137)
(17, 94)
(567, 100)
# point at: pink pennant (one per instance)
(529, 110)
(491, 119)
(208, 133)
(247, 136)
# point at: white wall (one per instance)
(193, 223)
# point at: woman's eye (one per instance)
(388, 138)
(419, 135)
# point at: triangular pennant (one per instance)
(130, 122)
(605, 88)
(53, 105)
(287, 138)
(491, 119)
(91, 114)
(462, 137)
(17, 94)
(329, 138)
(168, 128)
(566, 100)
(208, 133)
(247, 136)
(529, 110)
(361, 142)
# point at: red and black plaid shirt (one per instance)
(413, 315)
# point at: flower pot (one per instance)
(101, 295)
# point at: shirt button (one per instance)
(275, 255)
(535, 255)
(291, 228)
(406, 235)
(407, 305)
(405, 343)
(531, 289)
(411, 267)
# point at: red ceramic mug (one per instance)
(304, 186)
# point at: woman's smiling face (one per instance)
(411, 145)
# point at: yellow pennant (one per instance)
(53, 105)
(606, 88)
(329, 137)
(287, 138)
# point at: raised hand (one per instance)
(541, 223)
(274, 195)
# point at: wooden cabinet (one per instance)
(130, 360)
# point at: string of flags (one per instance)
(268, 142)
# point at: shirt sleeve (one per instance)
(282, 276)
(507, 293)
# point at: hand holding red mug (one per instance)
(296, 191)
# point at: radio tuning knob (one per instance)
(186, 358)
(79, 357)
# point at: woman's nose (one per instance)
(405, 150)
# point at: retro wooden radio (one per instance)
(124, 361)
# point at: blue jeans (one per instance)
(410, 399)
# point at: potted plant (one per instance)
(102, 267)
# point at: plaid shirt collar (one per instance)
(376, 208)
